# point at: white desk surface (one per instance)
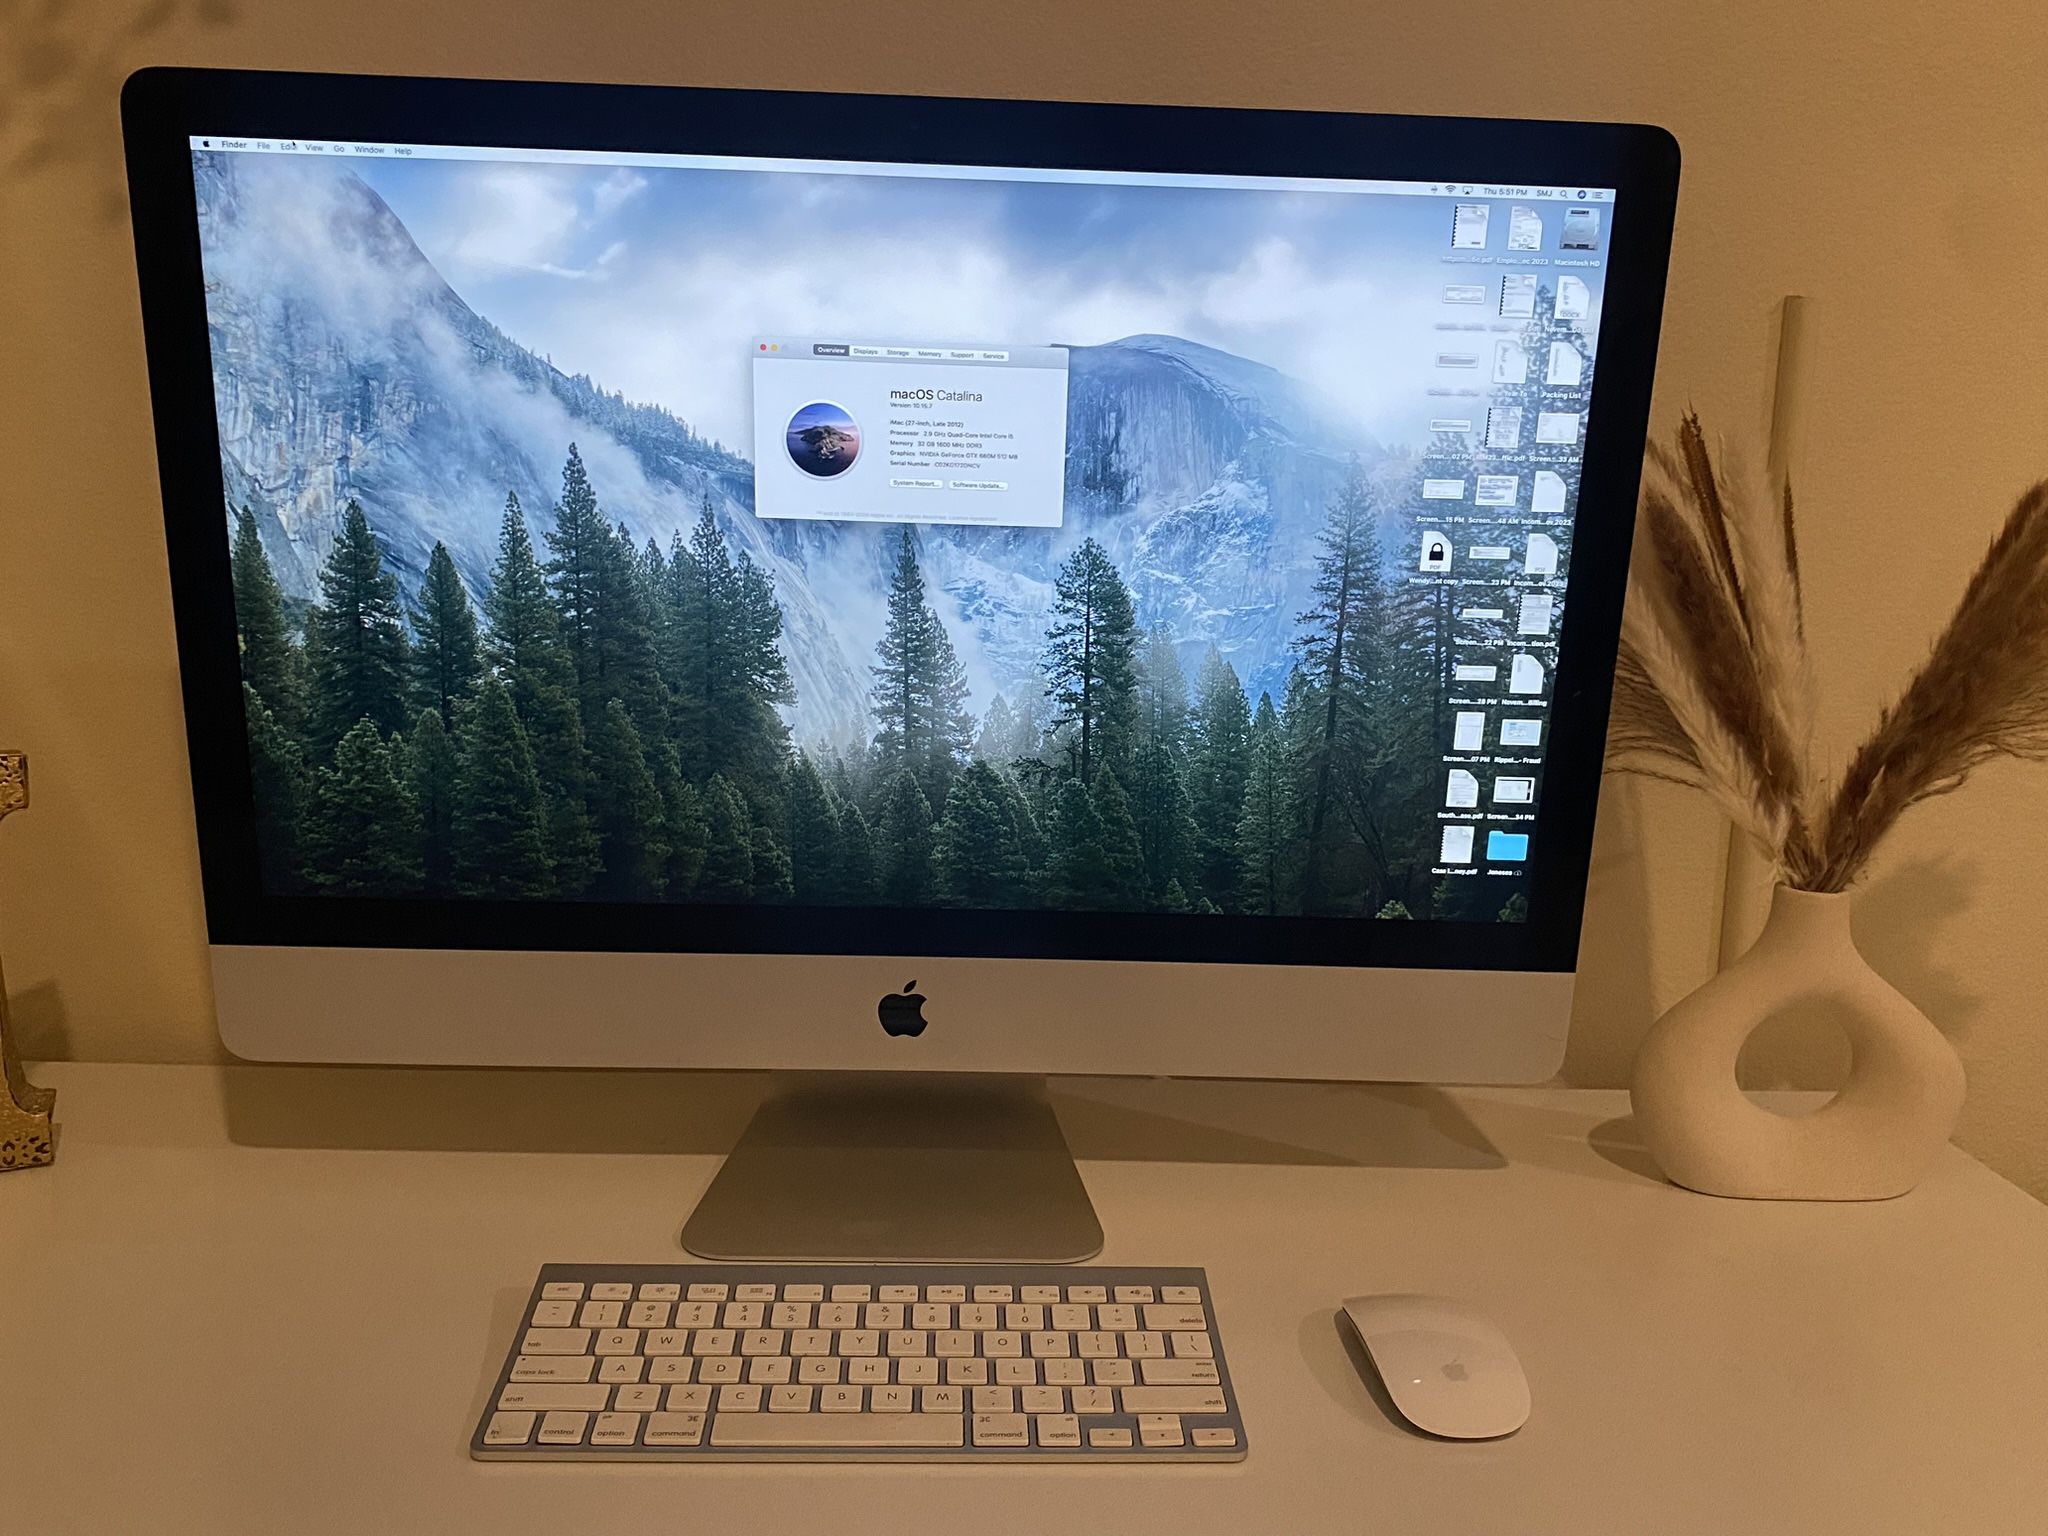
(272, 1300)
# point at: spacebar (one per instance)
(808, 1430)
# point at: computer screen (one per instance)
(671, 528)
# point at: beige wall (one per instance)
(1886, 159)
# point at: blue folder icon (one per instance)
(1507, 847)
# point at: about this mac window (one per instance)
(902, 433)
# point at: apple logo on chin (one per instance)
(902, 1013)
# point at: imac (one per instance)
(911, 594)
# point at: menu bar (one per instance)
(353, 149)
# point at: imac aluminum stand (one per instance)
(899, 1167)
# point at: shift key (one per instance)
(1174, 1400)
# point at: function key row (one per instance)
(887, 1316)
(945, 1295)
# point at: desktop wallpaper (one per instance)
(510, 629)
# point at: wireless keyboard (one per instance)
(735, 1362)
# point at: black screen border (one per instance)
(162, 109)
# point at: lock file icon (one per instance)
(1436, 552)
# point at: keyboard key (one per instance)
(1178, 1373)
(1001, 1429)
(1024, 1317)
(742, 1315)
(904, 1293)
(739, 1399)
(791, 1399)
(562, 1290)
(891, 1400)
(951, 1295)
(601, 1314)
(1133, 1293)
(655, 1292)
(1065, 1373)
(671, 1368)
(1072, 1319)
(1160, 1429)
(1058, 1431)
(1109, 1439)
(789, 1315)
(994, 1345)
(1094, 1400)
(858, 1341)
(1144, 1346)
(1039, 1293)
(666, 1341)
(1116, 1319)
(821, 1370)
(1016, 1373)
(770, 1370)
(811, 1341)
(615, 1429)
(907, 1341)
(1214, 1439)
(1112, 1373)
(704, 1291)
(689, 1399)
(867, 1372)
(621, 1368)
(713, 1341)
(720, 1370)
(674, 1429)
(636, 1400)
(967, 1373)
(563, 1428)
(548, 1396)
(883, 1315)
(1191, 1346)
(853, 1293)
(1166, 1319)
(823, 1431)
(510, 1428)
(554, 1314)
(697, 1314)
(1089, 1295)
(619, 1341)
(761, 1341)
(1049, 1346)
(1042, 1400)
(1144, 1400)
(942, 1399)
(553, 1367)
(650, 1314)
(1187, 1293)
(931, 1316)
(979, 1317)
(953, 1341)
(839, 1314)
(995, 1400)
(841, 1399)
(1096, 1346)
(918, 1370)
(992, 1293)
(611, 1290)
(803, 1293)
(753, 1293)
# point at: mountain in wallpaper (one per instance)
(353, 370)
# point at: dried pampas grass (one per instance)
(1713, 688)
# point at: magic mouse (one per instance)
(1449, 1371)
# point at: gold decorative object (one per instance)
(26, 1140)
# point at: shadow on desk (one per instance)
(703, 1113)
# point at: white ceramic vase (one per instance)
(1874, 1139)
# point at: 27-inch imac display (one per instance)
(661, 528)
